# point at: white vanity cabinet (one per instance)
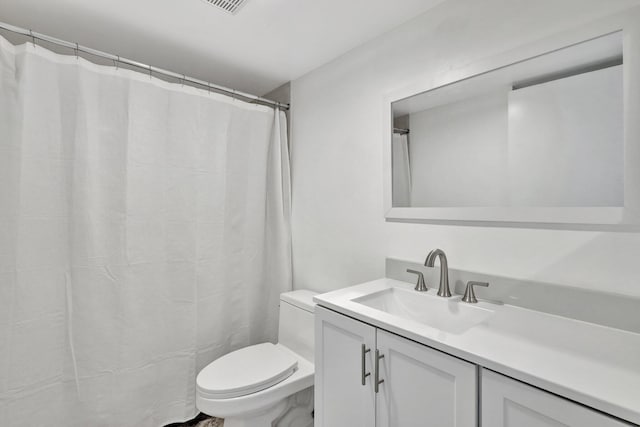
(423, 386)
(418, 386)
(510, 403)
(447, 363)
(341, 400)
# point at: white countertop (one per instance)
(595, 365)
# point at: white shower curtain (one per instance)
(401, 168)
(144, 231)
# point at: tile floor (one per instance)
(201, 420)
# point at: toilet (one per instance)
(262, 383)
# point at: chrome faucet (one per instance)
(443, 289)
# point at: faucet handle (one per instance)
(420, 285)
(469, 294)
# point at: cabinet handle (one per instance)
(364, 374)
(378, 381)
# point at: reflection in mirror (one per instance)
(545, 132)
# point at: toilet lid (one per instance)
(246, 371)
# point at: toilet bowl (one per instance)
(256, 385)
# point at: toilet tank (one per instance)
(295, 330)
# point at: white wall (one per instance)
(566, 141)
(559, 143)
(459, 153)
(340, 236)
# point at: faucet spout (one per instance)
(443, 289)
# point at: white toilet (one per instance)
(256, 385)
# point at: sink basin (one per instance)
(447, 314)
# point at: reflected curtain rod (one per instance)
(148, 68)
(401, 131)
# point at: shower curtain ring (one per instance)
(150, 73)
(117, 62)
(209, 87)
(76, 50)
(33, 38)
(183, 79)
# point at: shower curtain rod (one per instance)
(149, 68)
(401, 131)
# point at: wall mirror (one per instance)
(539, 140)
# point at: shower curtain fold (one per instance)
(401, 168)
(144, 231)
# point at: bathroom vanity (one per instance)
(387, 355)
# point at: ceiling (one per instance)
(267, 43)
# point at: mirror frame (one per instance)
(629, 24)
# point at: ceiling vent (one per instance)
(229, 6)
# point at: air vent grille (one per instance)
(229, 6)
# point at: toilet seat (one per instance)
(245, 371)
(247, 405)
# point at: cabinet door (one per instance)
(341, 399)
(510, 403)
(423, 387)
